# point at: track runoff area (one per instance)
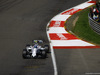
(60, 38)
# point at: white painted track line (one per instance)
(52, 55)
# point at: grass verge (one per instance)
(83, 30)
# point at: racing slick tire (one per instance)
(43, 54)
(24, 53)
(47, 48)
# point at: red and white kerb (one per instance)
(59, 37)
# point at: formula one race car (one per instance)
(37, 50)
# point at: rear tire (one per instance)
(43, 54)
(47, 48)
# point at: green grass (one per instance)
(84, 31)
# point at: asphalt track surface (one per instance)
(21, 21)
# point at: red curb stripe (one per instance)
(57, 24)
(71, 11)
(75, 47)
(92, 2)
(62, 36)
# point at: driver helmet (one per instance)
(35, 46)
(35, 41)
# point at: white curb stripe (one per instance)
(84, 5)
(57, 30)
(70, 43)
(61, 17)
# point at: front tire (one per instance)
(24, 53)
